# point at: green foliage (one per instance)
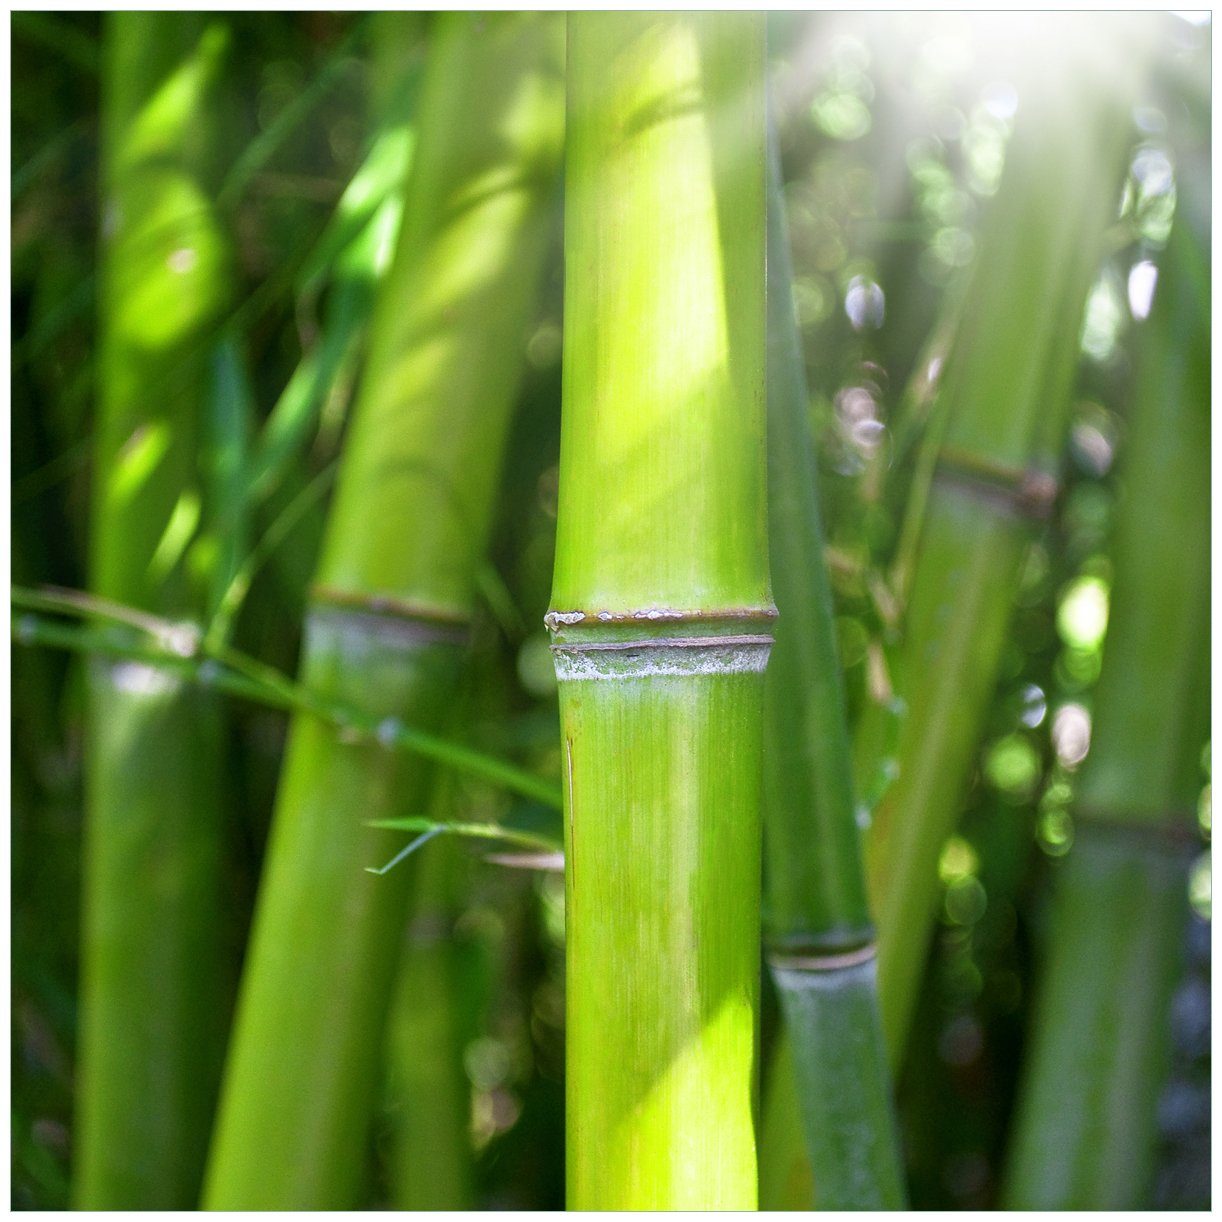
(183, 379)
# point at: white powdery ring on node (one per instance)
(676, 657)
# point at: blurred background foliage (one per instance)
(893, 131)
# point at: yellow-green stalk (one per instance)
(661, 610)
(389, 611)
(153, 990)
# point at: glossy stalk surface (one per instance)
(661, 609)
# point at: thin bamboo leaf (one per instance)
(264, 147)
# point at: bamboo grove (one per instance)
(610, 610)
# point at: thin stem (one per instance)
(241, 675)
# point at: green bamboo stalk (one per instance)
(661, 606)
(1087, 1120)
(389, 611)
(1008, 379)
(153, 994)
(432, 1165)
(819, 938)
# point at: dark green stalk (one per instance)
(661, 610)
(153, 991)
(819, 938)
(1087, 1119)
(389, 612)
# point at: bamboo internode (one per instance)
(662, 611)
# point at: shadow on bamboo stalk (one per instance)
(1086, 1126)
(154, 993)
(661, 619)
(818, 934)
(390, 611)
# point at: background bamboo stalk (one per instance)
(1086, 1125)
(432, 1161)
(661, 606)
(1007, 383)
(154, 994)
(819, 938)
(389, 611)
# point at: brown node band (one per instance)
(1169, 832)
(1028, 493)
(386, 616)
(560, 621)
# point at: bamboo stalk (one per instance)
(432, 1165)
(661, 606)
(153, 994)
(389, 611)
(819, 936)
(1008, 379)
(1087, 1120)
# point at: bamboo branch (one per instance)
(228, 670)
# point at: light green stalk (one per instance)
(819, 937)
(661, 606)
(1087, 1120)
(153, 992)
(1007, 386)
(389, 611)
